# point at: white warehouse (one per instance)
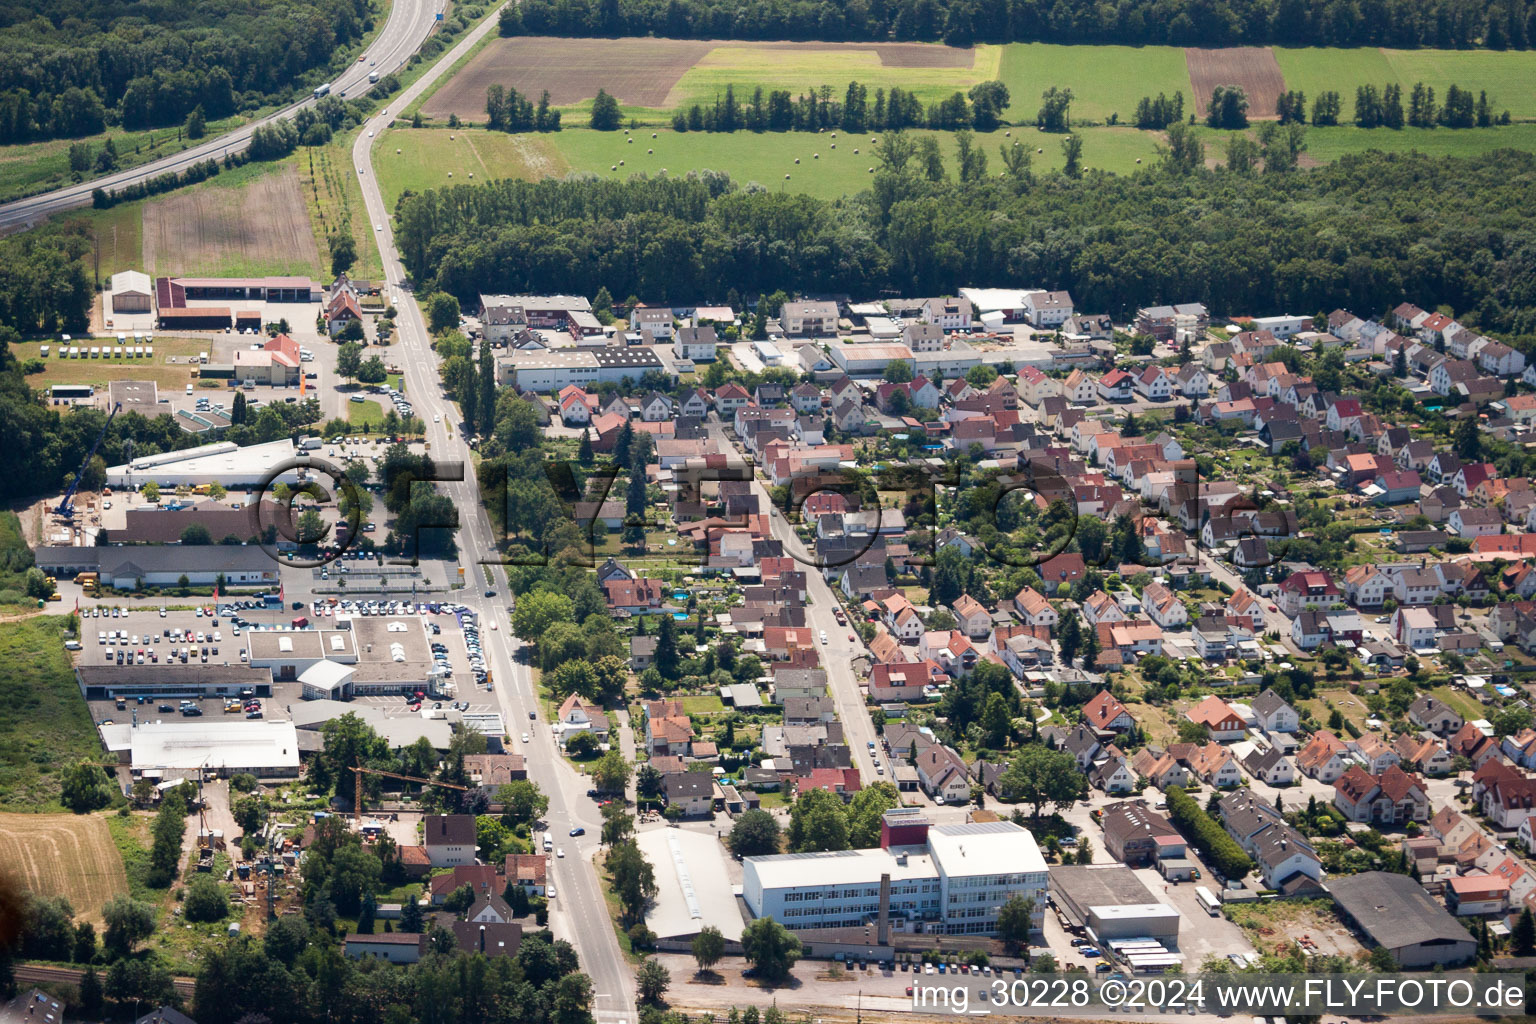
(943, 880)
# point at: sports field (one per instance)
(1104, 80)
(69, 855)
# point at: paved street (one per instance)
(579, 912)
(838, 655)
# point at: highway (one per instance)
(578, 912)
(409, 24)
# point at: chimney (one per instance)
(883, 935)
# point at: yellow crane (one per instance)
(358, 771)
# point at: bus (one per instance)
(1208, 900)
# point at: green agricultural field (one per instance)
(1508, 76)
(1318, 69)
(1324, 145)
(767, 158)
(801, 70)
(427, 156)
(1104, 80)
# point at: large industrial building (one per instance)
(103, 682)
(1112, 903)
(163, 565)
(944, 879)
(361, 657)
(173, 749)
(224, 462)
(1394, 911)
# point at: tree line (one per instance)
(775, 111)
(507, 110)
(1117, 242)
(1444, 24)
(72, 69)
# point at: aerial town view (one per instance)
(737, 512)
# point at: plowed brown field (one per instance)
(1252, 67)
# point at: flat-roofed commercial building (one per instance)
(547, 370)
(952, 880)
(1112, 903)
(226, 747)
(101, 682)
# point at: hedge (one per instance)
(1213, 842)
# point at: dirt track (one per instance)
(1252, 67)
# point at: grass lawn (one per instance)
(165, 373)
(802, 70)
(1104, 79)
(335, 204)
(44, 722)
(366, 413)
(1466, 706)
(131, 835)
(703, 705)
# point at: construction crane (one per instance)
(359, 771)
(67, 503)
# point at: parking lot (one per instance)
(155, 636)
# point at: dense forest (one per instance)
(1365, 232)
(1445, 24)
(72, 67)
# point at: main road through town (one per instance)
(409, 24)
(578, 911)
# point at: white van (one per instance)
(548, 843)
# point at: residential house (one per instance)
(529, 871)
(1323, 757)
(1274, 714)
(1373, 752)
(1163, 606)
(576, 715)
(972, 616)
(1310, 589)
(1034, 609)
(1431, 713)
(1138, 836)
(1221, 722)
(1105, 713)
(449, 839)
(1270, 766)
(693, 792)
(941, 772)
(1391, 798)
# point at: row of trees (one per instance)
(1447, 24)
(73, 70)
(777, 111)
(1383, 108)
(1218, 848)
(1253, 245)
(507, 110)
